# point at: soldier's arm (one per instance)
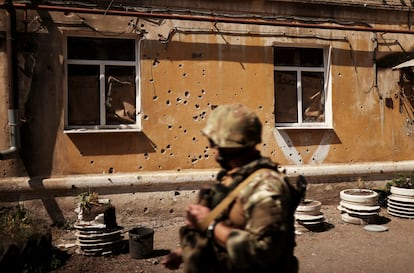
(221, 233)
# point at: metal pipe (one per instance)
(215, 19)
(13, 92)
(354, 169)
(13, 135)
(191, 179)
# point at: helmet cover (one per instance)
(233, 126)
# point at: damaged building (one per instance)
(111, 96)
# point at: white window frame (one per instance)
(103, 128)
(328, 123)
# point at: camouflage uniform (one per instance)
(262, 216)
(263, 239)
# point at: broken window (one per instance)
(101, 83)
(300, 87)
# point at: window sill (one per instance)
(93, 131)
(304, 127)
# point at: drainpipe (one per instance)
(13, 94)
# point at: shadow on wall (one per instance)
(395, 58)
(113, 143)
(39, 96)
(153, 49)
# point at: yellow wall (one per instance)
(201, 65)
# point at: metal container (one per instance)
(141, 242)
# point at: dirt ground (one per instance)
(339, 248)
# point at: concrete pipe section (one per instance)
(359, 206)
(400, 202)
(308, 216)
(97, 233)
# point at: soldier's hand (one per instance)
(173, 260)
(195, 214)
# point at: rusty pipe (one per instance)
(216, 19)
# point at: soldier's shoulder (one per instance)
(267, 174)
(268, 181)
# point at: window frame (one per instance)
(327, 88)
(102, 127)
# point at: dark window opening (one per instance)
(101, 77)
(299, 85)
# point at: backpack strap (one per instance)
(225, 203)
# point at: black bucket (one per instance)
(141, 242)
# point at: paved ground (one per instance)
(340, 248)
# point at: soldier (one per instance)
(255, 233)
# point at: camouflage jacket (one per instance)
(262, 216)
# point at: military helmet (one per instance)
(233, 126)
